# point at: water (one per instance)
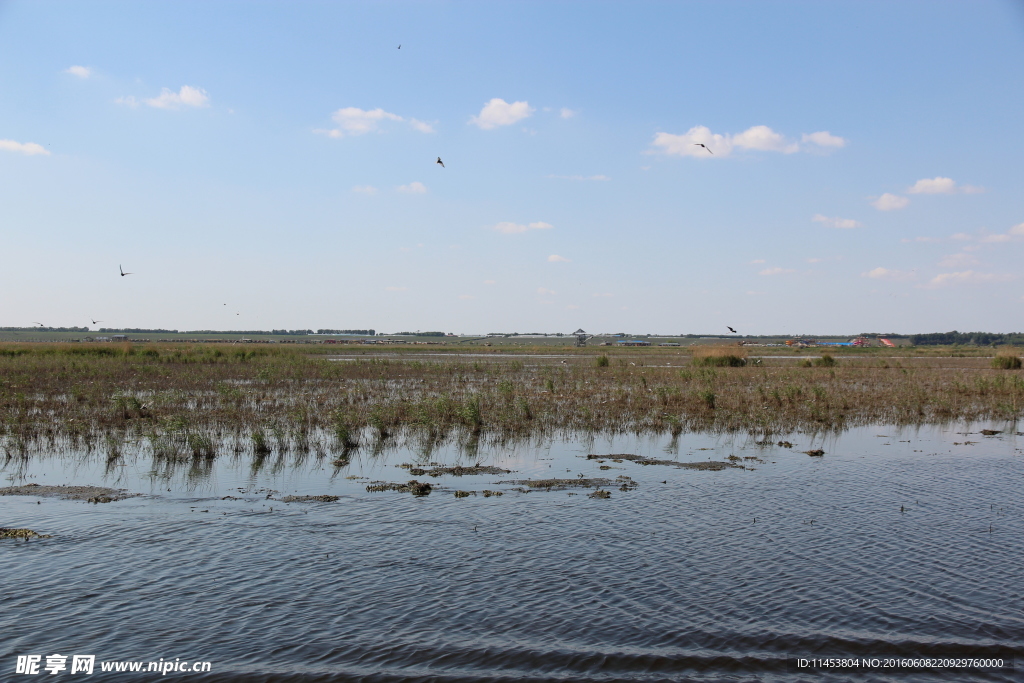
(674, 580)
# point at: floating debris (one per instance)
(990, 432)
(464, 494)
(708, 465)
(488, 494)
(600, 494)
(561, 484)
(6, 532)
(310, 499)
(816, 453)
(784, 444)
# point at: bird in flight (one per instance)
(701, 144)
(124, 273)
(440, 162)
(94, 322)
(732, 330)
(399, 46)
(40, 324)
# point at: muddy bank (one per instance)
(709, 465)
(455, 470)
(89, 494)
(310, 499)
(6, 532)
(414, 487)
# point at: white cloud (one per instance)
(760, 138)
(365, 189)
(940, 185)
(555, 258)
(1017, 229)
(415, 187)
(966, 277)
(579, 177)
(498, 112)
(890, 202)
(836, 222)
(356, 121)
(396, 289)
(187, 96)
(545, 292)
(814, 260)
(509, 228)
(26, 148)
(758, 260)
(566, 113)
(960, 236)
(128, 101)
(936, 185)
(421, 126)
(887, 274)
(960, 260)
(776, 271)
(823, 139)
(80, 71)
(765, 139)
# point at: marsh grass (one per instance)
(720, 356)
(191, 403)
(1007, 358)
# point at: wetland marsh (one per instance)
(256, 509)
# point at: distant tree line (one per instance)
(133, 330)
(368, 333)
(972, 338)
(420, 334)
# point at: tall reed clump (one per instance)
(1007, 359)
(826, 361)
(601, 361)
(719, 356)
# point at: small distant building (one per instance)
(119, 337)
(634, 342)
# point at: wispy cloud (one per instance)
(889, 202)
(835, 222)
(80, 71)
(415, 187)
(967, 277)
(187, 96)
(555, 258)
(776, 271)
(545, 292)
(823, 139)
(509, 228)
(497, 112)
(759, 138)
(960, 260)
(355, 121)
(26, 148)
(567, 113)
(365, 189)
(887, 274)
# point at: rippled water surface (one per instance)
(906, 543)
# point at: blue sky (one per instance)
(263, 165)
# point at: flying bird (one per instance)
(94, 322)
(40, 324)
(124, 273)
(701, 144)
(399, 46)
(732, 330)
(440, 162)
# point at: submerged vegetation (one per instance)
(189, 403)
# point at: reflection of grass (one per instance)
(190, 402)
